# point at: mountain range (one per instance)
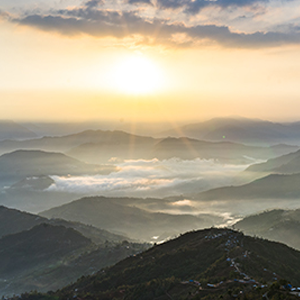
(12, 130)
(240, 130)
(41, 254)
(285, 164)
(274, 186)
(20, 164)
(66, 143)
(101, 146)
(116, 215)
(277, 225)
(14, 221)
(206, 264)
(227, 152)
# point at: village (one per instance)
(232, 242)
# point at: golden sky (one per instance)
(149, 59)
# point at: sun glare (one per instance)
(137, 75)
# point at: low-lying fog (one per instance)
(173, 177)
(153, 178)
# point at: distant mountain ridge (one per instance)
(12, 130)
(276, 186)
(67, 142)
(240, 130)
(227, 152)
(100, 146)
(14, 221)
(115, 215)
(277, 225)
(16, 165)
(285, 164)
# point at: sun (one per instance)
(137, 75)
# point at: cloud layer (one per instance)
(193, 7)
(230, 23)
(152, 178)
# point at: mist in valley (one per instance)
(115, 193)
(149, 149)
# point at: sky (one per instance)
(152, 60)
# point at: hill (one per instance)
(36, 183)
(67, 142)
(206, 264)
(97, 146)
(285, 164)
(16, 165)
(35, 250)
(12, 130)
(240, 130)
(123, 149)
(274, 186)
(115, 215)
(13, 221)
(227, 152)
(184, 148)
(41, 254)
(277, 225)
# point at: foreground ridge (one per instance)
(206, 264)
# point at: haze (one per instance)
(62, 61)
(126, 123)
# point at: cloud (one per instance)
(4, 15)
(151, 178)
(93, 3)
(121, 25)
(148, 2)
(102, 22)
(193, 7)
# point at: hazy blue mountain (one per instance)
(276, 186)
(100, 146)
(66, 143)
(184, 148)
(49, 128)
(34, 201)
(132, 148)
(228, 152)
(12, 130)
(207, 264)
(38, 183)
(240, 130)
(16, 165)
(113, 215)
(13, 221)
(285, 164)
(277, 225)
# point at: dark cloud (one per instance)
(109, 23)
(193, 7)
(94, 3)
(140, 2)
(173, 4)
